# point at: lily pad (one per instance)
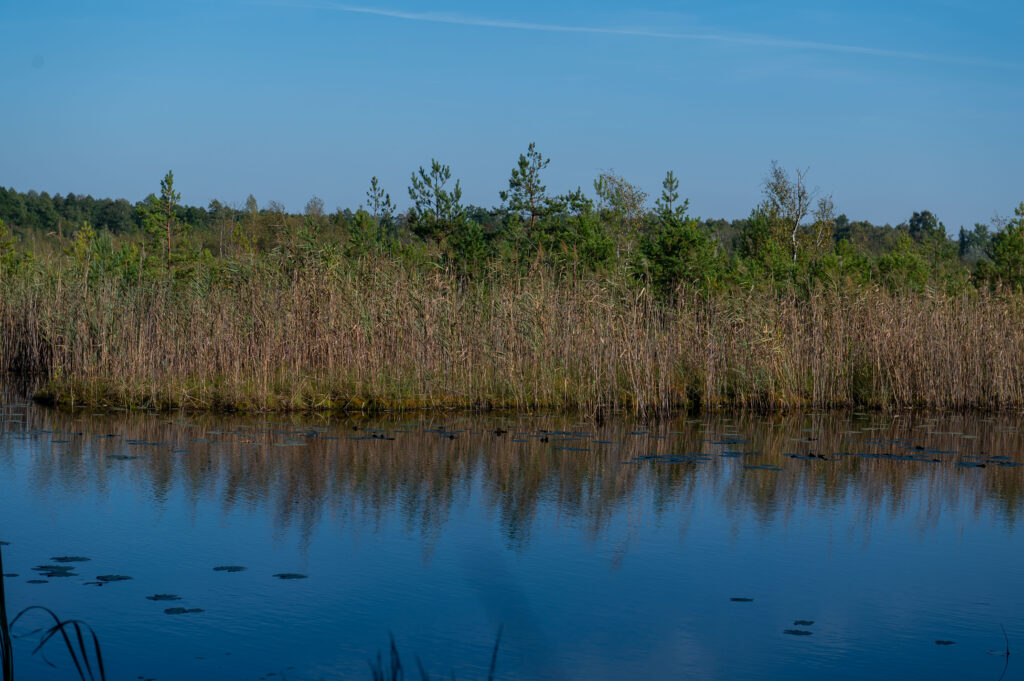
(229, 568)
(290, 575)
(113, 578)
(181, 611)
(163, 597)
(55, 570)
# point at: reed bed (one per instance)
(376, 333)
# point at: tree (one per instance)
(624, 200)
(974, 244)
(925, 226)
(1007, 251)
(526, 195)
(168, 202)
(669, 196)
(675, 248)
(435, 209)
(624, 205)
(379, 203)
(314, 209)
(786, 201)
(159, 213)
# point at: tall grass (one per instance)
(377, 332)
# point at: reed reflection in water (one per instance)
(602, 550)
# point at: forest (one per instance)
(609, 298)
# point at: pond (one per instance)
(810, 546)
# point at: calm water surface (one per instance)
(606, 552)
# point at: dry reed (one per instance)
(377, 333)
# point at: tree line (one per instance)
(793, 239)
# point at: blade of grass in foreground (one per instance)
(6, 657)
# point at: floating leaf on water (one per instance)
(290, 575)
(741, 599)
(945, 643)
(55, 570)
(163, 597)
(181, 611)
(69, 559)
(797, 632)
(229, 568)
(113, 578)
(802, 623)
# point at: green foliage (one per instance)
(468, 248)
(790, 243)
(526, 197)
(844, 267)
(7, 255)
(581, 239)
(83, 249)
(159, 218)
(1007, 252)
(904, 268)
(675, 249)
(974, 245)
(763, 250)
(436, 210)
(380, 206)
(364, 233)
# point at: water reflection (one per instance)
(688, 546)
(360, 472)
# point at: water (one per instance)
(597, 561)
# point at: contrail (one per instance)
(732, 38)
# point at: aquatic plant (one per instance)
(335, 336)
(392, 670)
(78, 637)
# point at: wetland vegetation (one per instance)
(591, 303)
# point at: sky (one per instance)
(891, 106)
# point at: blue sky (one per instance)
(892, 106)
